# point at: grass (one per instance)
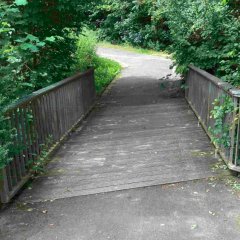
(105, 71)
(130, 48)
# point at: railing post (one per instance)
(236, 130)
(4, 190)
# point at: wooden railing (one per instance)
(41, 120)
(202, 89)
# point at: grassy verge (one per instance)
(130, 48)
(105, 71)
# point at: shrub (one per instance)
(140, 23)
(86, 49)
(37, 48)
(105, 69)
(206, 34)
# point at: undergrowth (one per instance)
(135, 49)
(105, 69)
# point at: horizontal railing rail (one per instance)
(40, 121)
(202, 89)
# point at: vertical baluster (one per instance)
(19, 140)
(67, 113)
(54, 115)
(43, 118)
(12, 164)
(237, 138)
(9, 177)
(23, 136)
(37, 125)
(29, 146)
(232, 135)
(33, 132)
(46, 120)
(50, 114)
(62, 111)
(16, 157)
(4, 193)
(74, 102)
(58, 127)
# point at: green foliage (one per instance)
(200, 32)
(37, 48)
(37, 44)
(220, 132)
(206, 34)
(86, 49)
(105, 69)
(140, 23)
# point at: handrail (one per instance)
(217, 81)
(24, 100)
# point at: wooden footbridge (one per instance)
(141, 132)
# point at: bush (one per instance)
(140, 23)
(206, 34)
(105, 69)
(37, 48)
(37, 44)
(86, 49)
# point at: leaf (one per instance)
(21, 2)
(26, 84)
(14, 10)
(29, 46)
(41, 44)
(50, 39)
(32, 38)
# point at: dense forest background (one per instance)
(200, 32)
(42, 42)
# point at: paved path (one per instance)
(139, 135)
